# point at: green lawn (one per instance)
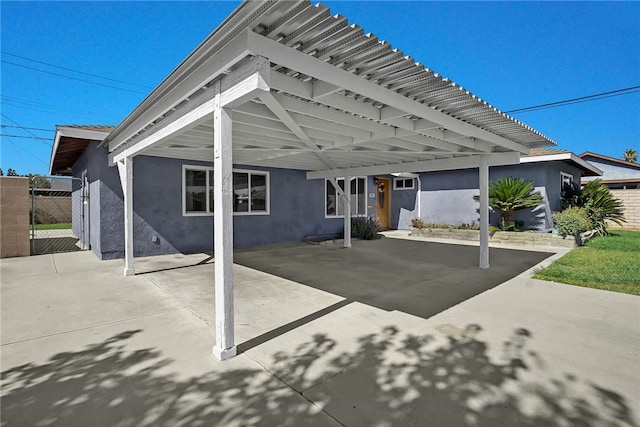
(61, 226)
(611, 263)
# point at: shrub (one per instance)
(507, 195)
(365, 228)
(572, 221)
(418, 223)
(598, 202)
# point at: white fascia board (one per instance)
(454, 163)
(242, 84)
(190, 120)
(177, 88)
(72, 132)
(562, 157)
(311, 66)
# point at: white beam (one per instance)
(322, 89)
(452, 163)
(189, 77)
(277, 109)
(188, 121)
(483, 171)
(306, 64)
(245, 82)
(347, 212)
(223, 231)
(125, 169)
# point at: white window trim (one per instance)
(356, 215)
(267, 192)
(564, 175)
(184, 190)
(267, 175)
(396, 180)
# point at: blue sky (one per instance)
(511, 54)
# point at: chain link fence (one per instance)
(57, 212)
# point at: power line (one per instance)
(22, 136)
(20, 127)
(74, 71)
(618, 92)
(71, 78)
(26, 130)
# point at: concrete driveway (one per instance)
(83, 345)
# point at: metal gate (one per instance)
(58, 214)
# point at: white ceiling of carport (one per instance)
(347, 129)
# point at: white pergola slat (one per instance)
(287, 85)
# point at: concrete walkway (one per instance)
(83, 345)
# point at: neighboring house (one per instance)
(616, 173)
(447, 196)
(623, 179)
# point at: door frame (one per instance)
(386, 182)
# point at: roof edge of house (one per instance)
(611, 159)
(566, 156)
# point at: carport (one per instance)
(288, 85)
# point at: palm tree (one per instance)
(631, 155)
(508, 195)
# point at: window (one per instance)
(250, 191)
(403, 184)
(565, 179)
(334, 203)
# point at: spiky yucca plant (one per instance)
(507, 195)
(598, 201)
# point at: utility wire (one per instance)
(26, 130)
(71, 78)
(618, 92)
(22, 136)
(74, 71)
(21, 127)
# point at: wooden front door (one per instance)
(383, 202)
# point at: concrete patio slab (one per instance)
(128, 351)
(416, 277)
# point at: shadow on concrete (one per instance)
(419, 278)
(52, 245)
(429, 380)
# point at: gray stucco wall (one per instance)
(296, 209)
(447, 196)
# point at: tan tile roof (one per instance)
(546, 152)
(99, 128)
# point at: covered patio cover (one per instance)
(285, 84)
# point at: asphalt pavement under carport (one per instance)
(416, 277)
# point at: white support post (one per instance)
(484, 212)
(125, 169)
(224, 347)
(347, 211)
(419, 198)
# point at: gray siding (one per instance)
(612, 170)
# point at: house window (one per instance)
(334, 203)
(403, 184)
(565, 179)
(250, 191)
